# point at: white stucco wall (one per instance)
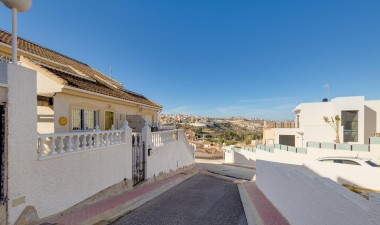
(363, 177)
(313, 200)
(315, 129)
(45, 119)
(63, 103)
(52, 184)
(375, 106)
(367, 177)
(168, 158)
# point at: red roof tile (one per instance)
(103, 85)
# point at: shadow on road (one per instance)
(216, 166)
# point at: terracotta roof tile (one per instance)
(103, 85)
(93, 86)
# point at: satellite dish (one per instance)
(19, 5)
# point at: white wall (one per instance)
(375, 106)
(45, 119)
(169, 157)
(367, 177)
(364, 177)
(56, 183)
(313, 201)
(63, 103)
(314, 127)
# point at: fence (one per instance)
(161, 138)
(61, 143)
(340, 146)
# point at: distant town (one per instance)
(210, 134)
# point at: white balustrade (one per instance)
(61, 143)
(161, 138)
(181, 135)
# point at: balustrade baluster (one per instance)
(41, 147)
(101, 140)
(111, 138)
(90, 141)
(76, 143)
(106, 139)
(96, 143)
(84, 142)
(52, 146)
(118, 136)
(69, 144)
(61, 145)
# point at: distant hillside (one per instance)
(218, 130)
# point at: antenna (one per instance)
(16, 6)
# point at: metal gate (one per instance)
(138, 158)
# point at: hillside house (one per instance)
(360, 120)
(70, 134)
(73, 96)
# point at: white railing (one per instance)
(167, 127)
(61, 143)
(182, 135)
(161, 138)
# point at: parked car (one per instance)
(349, 161)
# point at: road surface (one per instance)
(202, 199)
(216, 166)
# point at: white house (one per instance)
(360, 121)
(68, 132)
(73, 96)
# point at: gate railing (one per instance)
(61, 143)
(161, 138)
(138, 158)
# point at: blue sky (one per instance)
(218, 58)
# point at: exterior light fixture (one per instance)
(16, 6)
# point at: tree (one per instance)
(198, 131)
(335, 124)
(248, 139)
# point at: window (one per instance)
(327, 160)
(372, 163)
(297, 121)
(350, 126)
(350, 162)
(84, 119)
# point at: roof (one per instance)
(76, 72)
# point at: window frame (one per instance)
(83, 119)
(353, 134)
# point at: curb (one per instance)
(251, 213)
(117, 212)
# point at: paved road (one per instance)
(202, 199)
(215, 166)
